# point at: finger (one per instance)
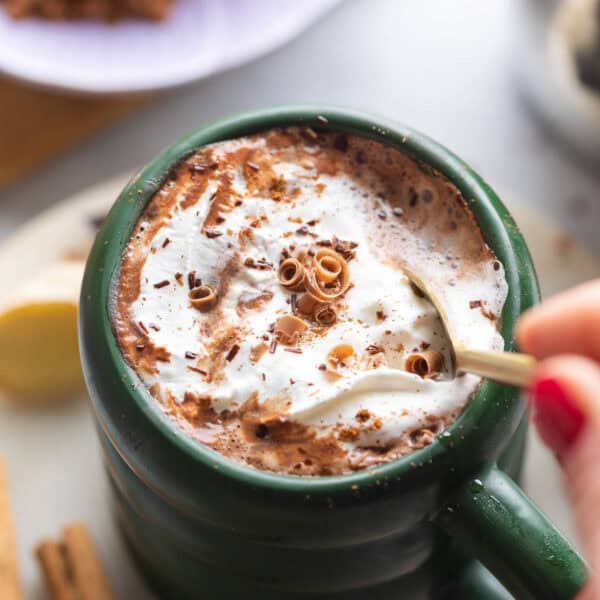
(566, 407)
(567, 323)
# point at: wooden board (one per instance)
(36, 124)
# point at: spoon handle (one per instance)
(505, 367)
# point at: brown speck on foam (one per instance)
(475, 304)
(191, 355)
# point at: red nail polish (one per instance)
(559, 420)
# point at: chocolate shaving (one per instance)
(197, 370)
(374, 349)
(140, 347)
(161, 284)
(232, 352)
(273, 347)
(475, 304)
(294, 350)
(166, 242)
(213, 232)
(191, 279)
(154, 326)
(203, 297)
(179, 277)
(262, 264)
(191, 355)
(143, 327)
(293, 300)
(253, 166)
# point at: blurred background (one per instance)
(511, 87)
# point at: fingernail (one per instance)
(558, 419)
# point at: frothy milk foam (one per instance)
(226, 218)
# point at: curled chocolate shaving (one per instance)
(288, 329)
(328, 291)
(291, 273)
(327, 265)
(325, 315)
(203, 297)
(424, 364)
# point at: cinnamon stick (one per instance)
(54, 566)
(86, 569)
(10, 586)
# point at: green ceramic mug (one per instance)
(202, 525)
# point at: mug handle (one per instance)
(496, 522)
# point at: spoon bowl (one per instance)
(512, 368)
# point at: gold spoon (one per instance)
(512, 368)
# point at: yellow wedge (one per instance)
(39, 357)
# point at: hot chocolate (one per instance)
(262, 302)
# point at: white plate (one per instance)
(202, 37)
(53, 457)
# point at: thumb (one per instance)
(566, 411)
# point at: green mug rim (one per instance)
(498, 227)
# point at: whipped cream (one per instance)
(380, 311)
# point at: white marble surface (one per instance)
(443, 67)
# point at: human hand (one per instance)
(564, 333)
